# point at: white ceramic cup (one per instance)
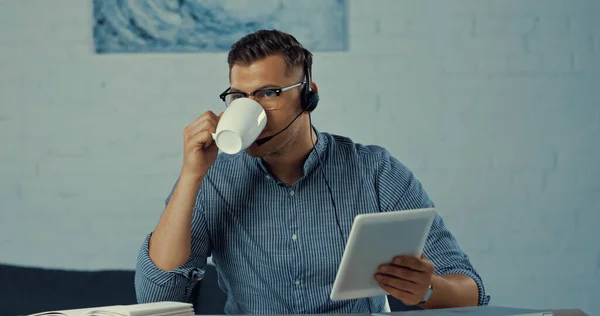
(239, 126)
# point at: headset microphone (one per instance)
(263, 140)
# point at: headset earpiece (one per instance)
(310, 98)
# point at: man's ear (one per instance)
(314, 87)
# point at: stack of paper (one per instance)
(147, 309)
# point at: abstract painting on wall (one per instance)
(180, 26)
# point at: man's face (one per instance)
(271, 72)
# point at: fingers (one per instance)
(396, 284)
(405, 274)
(203, 139)
(406, 278)
(201, 127)
(198, 133)
(409, 292)
(206, 116)
(399, 272)
(404, 296)
(418, 264)
(206, 121)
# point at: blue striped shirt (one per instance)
(276, 248)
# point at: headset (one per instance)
(310, 98)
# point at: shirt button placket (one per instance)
(297, 257)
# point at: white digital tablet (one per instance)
(375, 239)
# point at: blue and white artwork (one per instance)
(177, 26)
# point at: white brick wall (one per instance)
(494, 104)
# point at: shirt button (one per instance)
(292, 193)
(267, 177)
(294, 237)
(297, 282)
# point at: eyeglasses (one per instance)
(268, 98)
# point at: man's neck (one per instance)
(288, 166)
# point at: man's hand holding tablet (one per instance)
(383, 256)
(406, 278)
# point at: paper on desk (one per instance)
(146, 309)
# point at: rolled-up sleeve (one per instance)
(153, 284)
(400, 190)
(442, 249)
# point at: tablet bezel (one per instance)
(352, 253)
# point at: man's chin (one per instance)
(255, 151)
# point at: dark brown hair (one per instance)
(264, 43)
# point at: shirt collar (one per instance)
(319, 153)
(317, 156)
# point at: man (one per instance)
(274, 217)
